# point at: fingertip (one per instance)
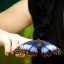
(7, 47)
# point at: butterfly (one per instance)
(36, 47)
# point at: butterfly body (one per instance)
(36, 47)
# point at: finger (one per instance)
(22, 40)
(14, 45)
(7, 46)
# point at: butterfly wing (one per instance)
(48, 49)
(55, 50)
(27, 48)
(31, 48)
(44, 50)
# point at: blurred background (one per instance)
(27, 32)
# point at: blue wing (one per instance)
(28, 47)
(46, 46)
(31, 48)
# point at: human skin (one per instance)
(13, 20)
(16, 18)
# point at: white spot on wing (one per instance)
(33, 49)
(27, 46)
(44, 50)
(51, 47)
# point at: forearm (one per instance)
(16, 17)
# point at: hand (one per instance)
(11, 41)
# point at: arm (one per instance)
(16, 17)
(11, 41)
(13, 20)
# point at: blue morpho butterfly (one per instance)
(38, 47)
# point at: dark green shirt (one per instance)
(5, 4)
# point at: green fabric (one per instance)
(27, 32)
